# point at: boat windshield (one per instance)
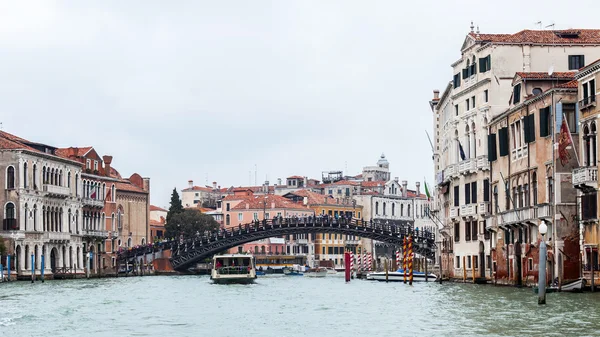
(233, 265)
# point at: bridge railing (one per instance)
(318, 222)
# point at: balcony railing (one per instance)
(57, 236)
(95, 233)
(352, 242)
(454, 212)
(468, 166)
(544, 211)
(490, 223)
(527, 214)
(483, 163)
(302, 241)
(585, 176)
(93, 202)
(483, 208)
(10, 225)
(468, 210)
(451, 171)
(587, 102)
(113, 234)
(59, 191)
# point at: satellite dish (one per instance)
(551, 70)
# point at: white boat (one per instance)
(333, 272)
(574, 286)
(398, 276)
(316, 272)
(233, 268)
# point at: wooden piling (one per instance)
(464, 269)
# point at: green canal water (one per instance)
(287, 306)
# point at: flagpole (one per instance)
(572, 142)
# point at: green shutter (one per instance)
(492, 154)
(528, 127)
(503, 139)
(544, 122)
(482, 65)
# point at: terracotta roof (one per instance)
(315, 198)
(12, 142)
(258, 202)
(544, 75)
(71, 152)
(295, 177)
(569, 37)
(570, 84)
(199, 188)
(156, 223)
(156, 208)
(129, 187)
(375, 183)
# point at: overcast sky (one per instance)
(206, 90)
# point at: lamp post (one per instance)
(542, 265)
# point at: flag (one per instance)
(426, 190)
(564, 140)
(93, 188)
(462, 152)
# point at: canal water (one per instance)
(287, 306)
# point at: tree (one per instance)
(176, 205)
(190, 222)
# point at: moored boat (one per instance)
(316, 272)
(574, 286)
(398, 276)
(333, 272)
(233, 268)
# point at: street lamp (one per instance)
(542, 265)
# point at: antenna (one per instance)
(1, 128)
(250, 178)
(255, 174)
(539, 23)
(550, 25)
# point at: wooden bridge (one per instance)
(186, 252)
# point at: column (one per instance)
(38, 258)
(22, 257)
(472, 152)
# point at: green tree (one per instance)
(176, 205)
(189, 222)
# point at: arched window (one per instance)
(60, 179)
(407, 210)
(26, 216)
(103, 222)
(376, 207)
(401, 209)
(112, 222)
(9, 211)
(119, 219)
(25, 172)
(69, 179)
(495, 199)
(384, 208)
(103, 191)
(227, 220)
(593, 141)
(76, 184)
(129, 242)
(35, 187)
(393, 209)
(113, 196)
(70, 221)
(10, 177)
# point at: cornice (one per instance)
(471, 88)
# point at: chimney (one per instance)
(418, 184)
(266, 187)
(146, 184)
(272, 205)
(190, 183)
(279, 181)
(305, 201)
(404, 188)
(107, 161)
(305, 181)
(396, 179)
(436, 94)
(214, 185)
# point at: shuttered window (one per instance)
(503, 141)
(485, 64)
(529, 128)
(474, 192)
(545, 122)
(456, 196)
(456, 81)
(486, 190)
(467, 194)
(517, 93)
(492, 154)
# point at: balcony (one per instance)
(454, 212)
(95, 233)
(302, 241)
(113, 234)
(587, 102)
(439, 178)
(468, 210)
(10, 225)
(490, 223)
(353, 242)
(519, 153)
(483, 208)
(585, 176)
(544, 211)
(93, 202)
(468, 166)
(57, 237)
(57, 191)
(522, 215)
(483, 163)
(450, 172)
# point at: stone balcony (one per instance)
(468, 210)
(113, 234)
(544, 211)
(585, 176)
(483, 208)
(57, 237)
(450, 172)
(57, 191)
(92, 202)
(95, 233)
(515, 216)
(490, 223)
(302, 241)
(454, 212)
(468, 166)
(483, 163)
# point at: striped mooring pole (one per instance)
(404, 258)
(351, 261)
(358, 262)
(370, 261)
(397, 259)
(364, 261)
(410, 260)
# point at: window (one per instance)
(393, 209)
(456, 109)
(516, 133)
(536, 91)
(473, 102)
(545, 122)
(570, 115)
(492, 153)
(467, 103)
(503, 141)
(227, 207)
(486, 190)
(589, 93)
(383, 208)
(467, 231)
(530, 264)
(25, 175)
(485, 64)
(469, 262)
(496, 209)
(529, 129)
(485, 96)
(589, 206)
(474, 230)
(534, 188)
(467, 194)
(456, 233)
(475, 261)
(376, 207)
(456, 81)
(88, 164)
(517, 93)
(456, 196)
(507, 196)
(550, 189)
(576, 62)
(227, 220)
(474, 192)
(95, 165)
(10, 177)
(457, 262)
(9, 211)
(240, 216)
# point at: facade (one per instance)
(379, 172)
(42, 208)
(206, 196)
(529, 183)
(158, 218)
(585, 178)
(480, 90)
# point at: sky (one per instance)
(227, 91)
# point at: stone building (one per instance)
(205, 196)
(529, 183)
(479, 91)
(42, 208)
(158, 218)
(585, 178)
